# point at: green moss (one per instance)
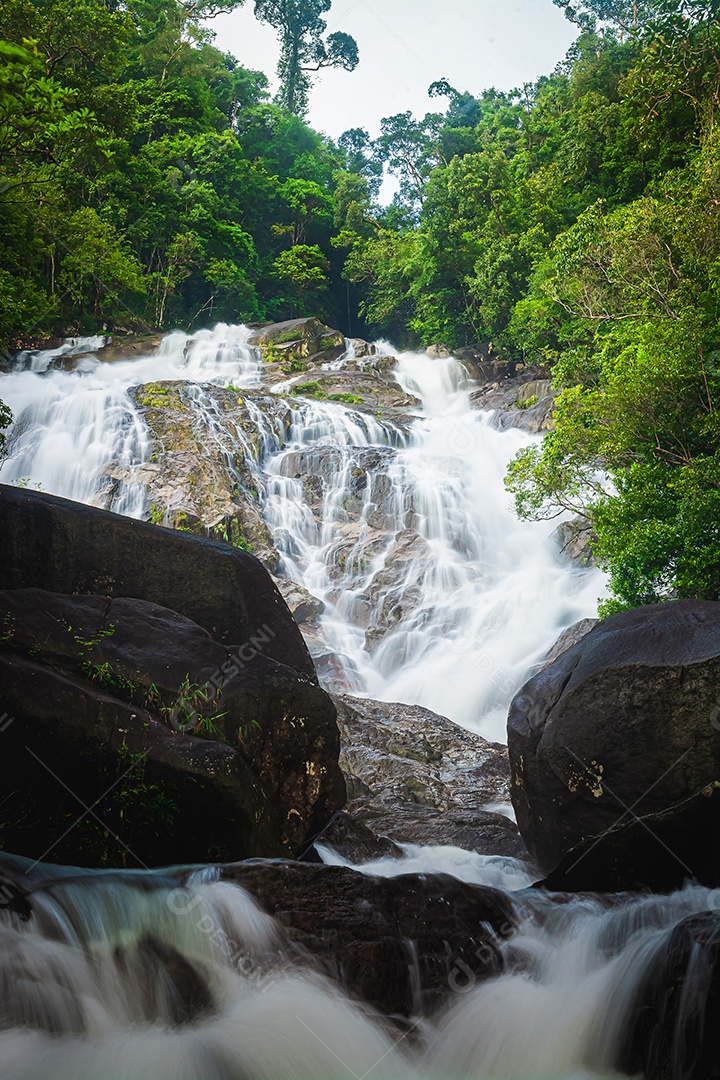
(156, 396)
(309, 389)
(346, 399)
(527, 403)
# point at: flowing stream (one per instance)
(96, 984)
(435, 593)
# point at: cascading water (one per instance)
(131, 976)
(435, 594)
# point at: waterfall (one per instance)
(435, 593)
(179, 976)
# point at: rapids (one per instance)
(435, 593)
(88, 985)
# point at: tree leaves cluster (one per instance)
(146, 179)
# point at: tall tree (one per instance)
(626, 17)
(304, 49)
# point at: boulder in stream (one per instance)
(414, 777)
(615, 752)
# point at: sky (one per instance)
(405, 45)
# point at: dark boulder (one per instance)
(654, 851)
(185, 748)
(396, 943)
(567, 639)
(66, 547)
(672, 1030)
(622, 726)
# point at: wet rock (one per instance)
(371, 389)
(349, 838)
(417, 778)
(398, 587)
(575, 540)
(361, 348)
(303, 606)
(523, 401)
(297, 339)
(395, 943)
(568, 638)
(671, 1031)
(100, 689)
(202, 475)
(626, 718)
(129, 347)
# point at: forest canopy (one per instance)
(148, 181)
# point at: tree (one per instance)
(360, 157)
(305, 269)
(303, 50)
(625, 17)
(410, 148)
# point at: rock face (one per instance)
(65, 547)
(623, 725)
(672, 1031)
(522, 401)
(203, 749)
(202, 475)
(417, 778)
(575, 539)
(395, 943)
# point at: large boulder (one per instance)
(671, 1029)
(183, 747)
(396, 943)
(417, 778)
(66, 547)
(297, 339)
(623, 726)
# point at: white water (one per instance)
(436, 595)
(82, 996)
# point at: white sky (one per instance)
(407, 44)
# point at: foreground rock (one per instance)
(192, 742)
(414, 777)
(66, 547)
(399, 944)
(393, 942)
(624, 725)
(671, 1030)
(204, 749)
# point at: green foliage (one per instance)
(144, 179)
(193, 711)
(303, 50)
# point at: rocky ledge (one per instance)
(415, 777)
